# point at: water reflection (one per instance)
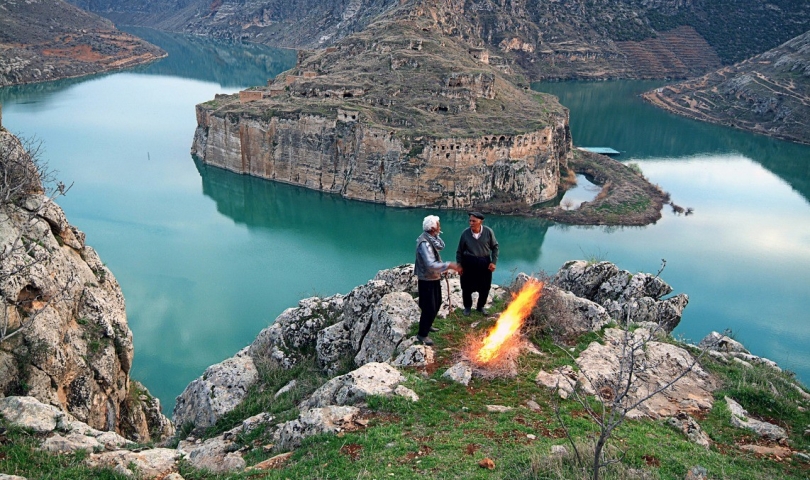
(611, 114)
(231, 64)
(350, 226)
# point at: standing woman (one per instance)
(429, 268)
(477, 253)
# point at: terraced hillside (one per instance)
(768, 94)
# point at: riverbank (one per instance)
(626, 197)
(762, 95)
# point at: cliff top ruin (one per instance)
(404, 74)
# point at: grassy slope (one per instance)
(449, 431)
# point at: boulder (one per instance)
(461, 373)
(218, 391)
(69, 434)
(687, 425)
(215, 454)
(391, 319)
(354, 387)
(152, 463)
(740, 419)
(333, 343)
(413, 355)
(721, 343)
(295, 329)
(315, 421)
(625, 297)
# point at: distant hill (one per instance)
(769, 93)
(546, 39)
(42, 40)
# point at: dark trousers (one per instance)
(476, 278)
(430, 299)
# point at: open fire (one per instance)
(509, 322)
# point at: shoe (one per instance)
(425, 340)
(466, 312)
(434, 329)
(481, 311)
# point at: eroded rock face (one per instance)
(354, 387)
(367, 163)
(219, 390)
(74, 349)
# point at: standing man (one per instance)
(429, 268)
(477, 253)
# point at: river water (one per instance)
(207, 258)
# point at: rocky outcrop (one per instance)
(64, 337)
(369, 325)
(625, 297)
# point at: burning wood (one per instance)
(509, 322)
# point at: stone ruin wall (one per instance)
(345, 157)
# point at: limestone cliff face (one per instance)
(64, 337)
(400, 114)
(342, 155)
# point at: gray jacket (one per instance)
(429, 264)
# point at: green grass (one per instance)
(19, 456)
(449, 430)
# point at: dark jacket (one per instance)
(484, 246)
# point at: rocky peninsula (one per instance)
(407, 115)
(42, 41)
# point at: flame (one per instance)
(510, 320)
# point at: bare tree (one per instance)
(619, 393)
(27, 188)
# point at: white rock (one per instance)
(461, 373)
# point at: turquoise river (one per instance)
(207, 258)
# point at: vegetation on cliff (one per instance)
(49, 40)
(767, 94)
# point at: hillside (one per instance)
(338, 387)
(767, 94)
(48, 40)
(547, 40)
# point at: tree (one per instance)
(623, 390)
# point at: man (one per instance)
(429, 268)
(477, 253)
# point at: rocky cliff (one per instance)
(768, 94)
(42, 40)
(64, 337)
(560, 39)
(400, 114)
